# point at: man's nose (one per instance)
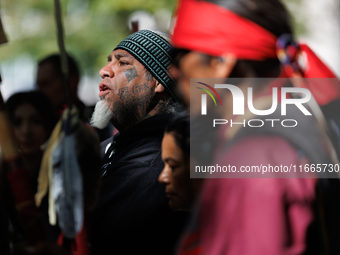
(164, 177)
(25, 128)
(107, 71)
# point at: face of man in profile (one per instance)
(50, 82)
(126, 92)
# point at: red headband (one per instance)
(208, 28)
(214, 30)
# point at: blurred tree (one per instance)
(92, 28)
(299, 17)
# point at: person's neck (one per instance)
(156, 108)
(159, 108)
(32, 161)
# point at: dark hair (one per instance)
(269, 14)
(179, 126)
(55, 60)
(39, 101)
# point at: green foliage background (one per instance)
(92, 28)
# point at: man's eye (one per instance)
(173, 167)
(122, 63)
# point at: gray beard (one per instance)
(101, 116)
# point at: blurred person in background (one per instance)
(138, 96)
(180, 189)
(239, 39)
(33, 119)
(50, 81)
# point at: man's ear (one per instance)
(223, 66)
(159, 88)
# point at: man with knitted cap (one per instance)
(137, 96)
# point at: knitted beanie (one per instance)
(153, 52)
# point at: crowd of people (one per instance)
(143, 197)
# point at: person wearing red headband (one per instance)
(253, 39)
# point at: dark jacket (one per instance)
(132, 215)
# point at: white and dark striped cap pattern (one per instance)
(153, 52)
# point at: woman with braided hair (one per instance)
(247, 39)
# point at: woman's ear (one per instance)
(159, 87)
(223, 66)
